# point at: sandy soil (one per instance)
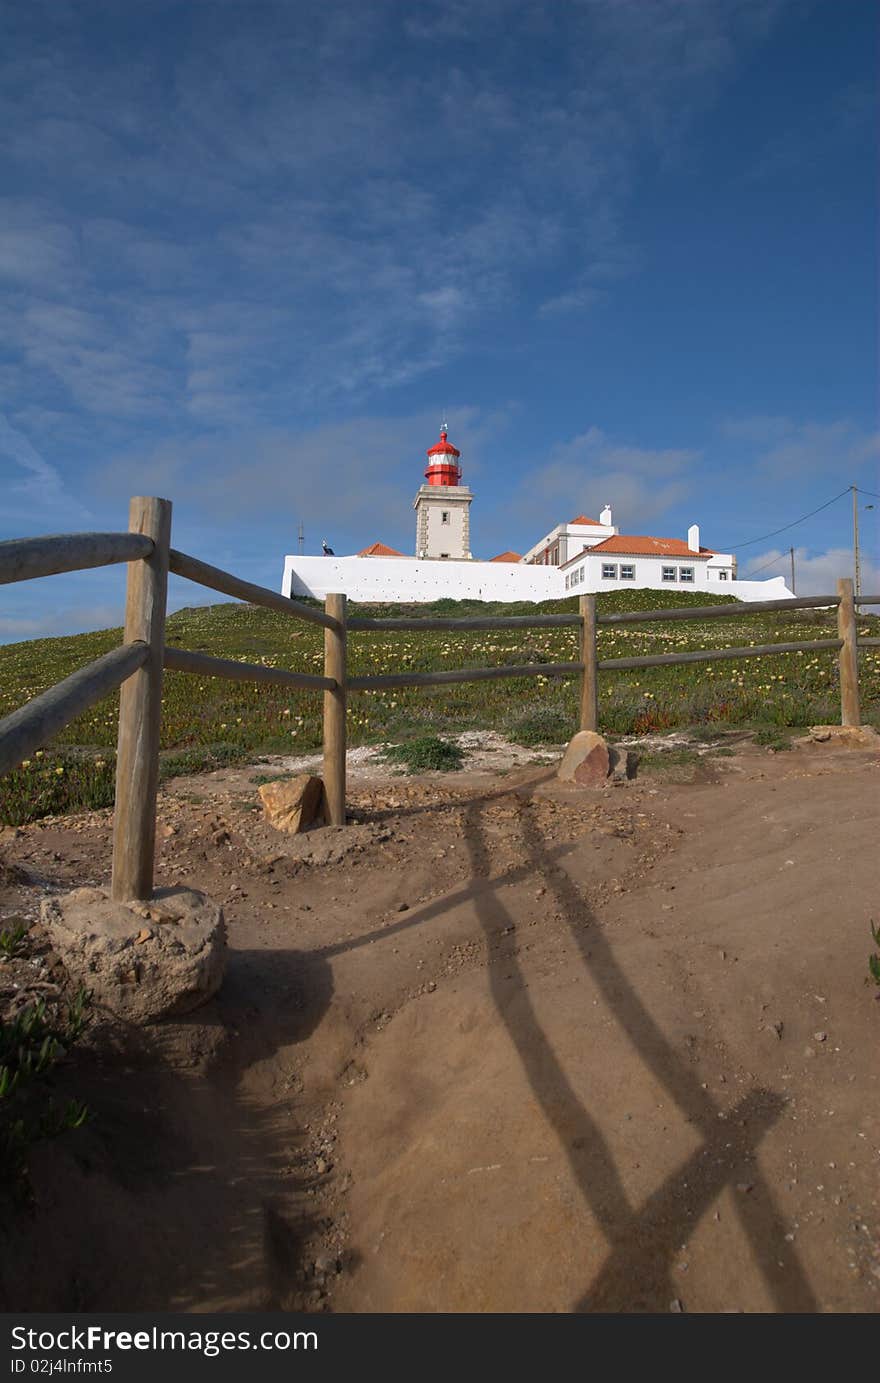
(498, 1045)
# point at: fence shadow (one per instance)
(637, 1273)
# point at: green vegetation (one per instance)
(12, 940)
(874, 957)
(426, 754)
(678, 765)
(772, 738)
(31, 1044)
(208, 721)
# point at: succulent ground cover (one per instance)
(210, 722)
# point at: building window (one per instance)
(580, 574)
(667, 574)
(686, 574)
(567, 582)
(609, 571)
(627, 571)
(722, 576)
(443, 554)
(444, 516)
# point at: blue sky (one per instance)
(250, 252)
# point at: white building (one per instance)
(566, 539)
(573, 558)
(627, 559)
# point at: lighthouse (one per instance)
(442, 505)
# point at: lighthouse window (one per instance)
(627, 571)
(722, 576)
(609, 571)
(444, 516)
(668, 574)
(685, 573)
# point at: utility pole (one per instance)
(791, 554)
(302, 539)
(858, 581)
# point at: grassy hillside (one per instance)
(208, 721)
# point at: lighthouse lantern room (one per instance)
(442, 505)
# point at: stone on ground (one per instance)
(294, 804)
(586, 760)
(142, 961)
(846, 736)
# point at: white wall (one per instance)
(405, 579)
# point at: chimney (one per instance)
(605, 516)
(694, 537)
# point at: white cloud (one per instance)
(792, 450)
(363, 220)
(815, 574)
(356, 476)
(591, 470)
(36, 493)
(53, 619)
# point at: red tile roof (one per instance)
(507, 557)
(582, 518)
(380, 550)
(632, 545)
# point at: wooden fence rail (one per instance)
(26, 730)
(137, 666)
(203, 665)
(734, 610)
(395, 626)
(473, 674)
(217, 580)
(711, 655)
(22, 559)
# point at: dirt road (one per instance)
(499, 1045)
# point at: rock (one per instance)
(623, 764)
(294, 804)
(586, 761)
(140, 973)
(846, 736)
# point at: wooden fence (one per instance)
(137, 666)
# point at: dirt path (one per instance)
(498, 1045)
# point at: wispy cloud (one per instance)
(585, 473)
(786, 449)
(815, 573)
(34, 492)
(332, 234)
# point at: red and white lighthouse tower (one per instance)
(443, 459)
(442, 505)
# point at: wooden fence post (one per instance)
(334, 711)
(140, 708)
(590, 683)
(848, 655)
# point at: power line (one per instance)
(867, 492)
(783, 557)
(785, 527)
